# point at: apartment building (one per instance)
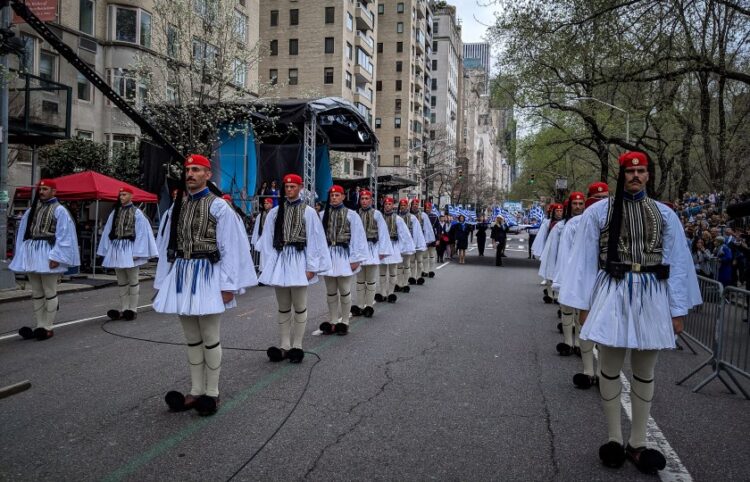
(322, 48)
(403, 85)
(481, 57)
(112, 38)
(445, 101)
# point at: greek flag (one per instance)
(537, 213)
(510, 219)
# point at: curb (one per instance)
(21, 297)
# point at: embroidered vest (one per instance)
(390, 221)
(641, 233)
(295, 232)
(196, 232)
(124, 225)
(44, 224)
(370, 224)
(339, 231)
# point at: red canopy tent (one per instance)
(90, 186)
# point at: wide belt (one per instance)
(300, 246)
(212, 256)
(340, 245)
(128, 238)
(617, 269)
(372, 240)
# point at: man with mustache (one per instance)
(633, 282)
(401, 243)
(204, 263)
(46, 246)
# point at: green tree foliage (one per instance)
(76, 155)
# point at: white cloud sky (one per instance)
(470, 10)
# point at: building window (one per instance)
(330, 14)
(173, 44)
(398, 85)
(29, 53)
(348, 80)
(400, 7)
(400, 27)
(274, 18)
(399, 66)
(435, 28)
(83, 87)
(48, 66)
(433, 119)
(434, 65)
(206, 9)
(349, 51)
(293, 46)
(433, 101)
(434, 46)
(240, 26)
(328, 45)
(328, 75)
(434, 84)
(397, 141)
(378, 122)
(85, 135)
(398, 105)
(294, 16)
(381, 9)
(273, 76)
(380, 47)
(117, 142)
(132, 25)
(396, 160)
(349, 22)
(274, 47)
(397, 122)
(239, 69)
(399, 47)
(379, 85)
(293, 76)
(205, 54)
(86, 17)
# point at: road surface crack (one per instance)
(386, 367)
(547, 420)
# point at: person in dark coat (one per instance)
(481, 229)
(443, 238)
(499, 235)
(460, 233)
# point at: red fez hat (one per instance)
(415, 201)
(632, 159)
(591, 201)
(50, 183)
(403, 201)
(388, 199)
(293, 179)
(268, 200)
(197, 160)
(226, 197)
(598, 187)
(427, 204)
(554, 206)
(365, 192)
(565, 203)
(336, 188)
(127, 189)
(576, 196)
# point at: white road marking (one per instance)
(442, 265)
(675, 471)
(73, 322)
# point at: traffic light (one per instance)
(531, 179)
(460, 174)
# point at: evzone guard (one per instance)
(126, 244)
(633, 281)
(428, 235)
(405, 275)
(585, 348)
(379, 247)
(401, 242)
(204, 263)
(46, 246)
(576, 205)
(347, 244)
(258, 229)
(539, 249)
(294, 252)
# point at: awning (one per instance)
(90, 186)
(386, 184)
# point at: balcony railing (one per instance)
(366, 38)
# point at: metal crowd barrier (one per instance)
(720, 326)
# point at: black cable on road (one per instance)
(286, 418)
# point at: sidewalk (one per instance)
(73, 284)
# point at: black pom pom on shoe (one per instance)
(612, 454)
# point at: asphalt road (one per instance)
(459, 380)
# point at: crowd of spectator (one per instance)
(719, 244)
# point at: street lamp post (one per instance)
(627, 114)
